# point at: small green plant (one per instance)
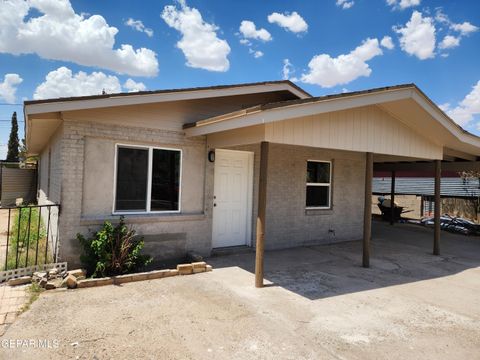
(34, 291)
(23, 231)
(113, 250)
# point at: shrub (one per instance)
(113, 250)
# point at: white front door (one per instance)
(232, 198)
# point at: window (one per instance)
(319, 178)
(147, 179)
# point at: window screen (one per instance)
(132, 175)
(133, 188)
(165, 180)
(318, 184)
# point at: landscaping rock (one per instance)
(50, 285)
(95, 282)
(185, 269)
(53, 272)
(77, 273)
(53, 284)
(20, 281)
(70, 282)
(199, 266)
(208, 268)
(157, 274)
(173, 272)
(39, 275)
(43, 282)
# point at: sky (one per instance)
(57, 48)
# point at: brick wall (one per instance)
(164, 234)
(288, 223)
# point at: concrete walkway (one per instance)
(11, 301)
(320, 304)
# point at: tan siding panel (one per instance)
(362, 129)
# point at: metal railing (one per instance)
(29, 235)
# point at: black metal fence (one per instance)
(28, 235)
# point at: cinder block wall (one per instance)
(87, 189)
(288, 222)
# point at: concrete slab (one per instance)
(319, 304)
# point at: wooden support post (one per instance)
(262, 208)
(437, 211)
(392, 199)
(367, 211)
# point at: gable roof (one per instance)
(383, 97)
(145, 97)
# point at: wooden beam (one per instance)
(262, 209)
(428, 166)
(367, 210)
(459, 154)
(437, 211)
(392, 199)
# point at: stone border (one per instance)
(182, 269)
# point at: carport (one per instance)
(388, 129)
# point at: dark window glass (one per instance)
(317, 196)
(165, 180)
(132, 173)
(318, 172)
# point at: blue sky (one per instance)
(326, 47)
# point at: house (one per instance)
(262, 164)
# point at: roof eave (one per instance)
(122, 99)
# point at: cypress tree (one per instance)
(13, 144)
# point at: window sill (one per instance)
(327, 211)
(143, 218)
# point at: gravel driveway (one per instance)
(320, 305)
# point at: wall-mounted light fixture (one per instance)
(211, 156)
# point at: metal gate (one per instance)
(28, 236)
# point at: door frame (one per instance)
(250, 181)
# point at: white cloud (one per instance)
(465, 28)
(64, 83)
(199, 42)
(8, 87)
(387, 43)
(464, 112)
(245, 42)
(138, 25)
(250, 31)
(58, 33)
(292, 22)
(418, 36)
(345, 4)
(256, 53)
(403, 4)
(328, 72)
(287, 69)
(449, 42)
(133, 86)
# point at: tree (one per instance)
(13, 144)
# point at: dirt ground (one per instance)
(319, 304)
